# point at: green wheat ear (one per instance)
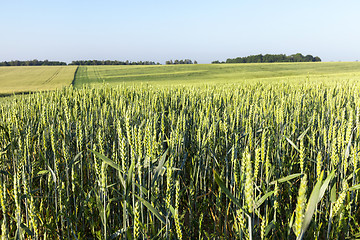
(300, 206)
(249, 190)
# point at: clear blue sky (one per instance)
(162, 30)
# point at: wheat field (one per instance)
(237, 161)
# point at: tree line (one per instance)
(269, 58)
(34, 62)
(112, 62)
(185, 61)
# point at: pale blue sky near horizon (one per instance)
(163, 30)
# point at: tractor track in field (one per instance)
(74, 78)
(53, 76)
(97, 74)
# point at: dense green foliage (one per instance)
(269, 58)
(182, 162)
(186, 61)
(32, 63)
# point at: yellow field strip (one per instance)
(35, 78)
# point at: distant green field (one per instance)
(35, 78)
(28, 79)
(217, 73)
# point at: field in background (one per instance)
(29, 79)
(170, 75)
(35, 78)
